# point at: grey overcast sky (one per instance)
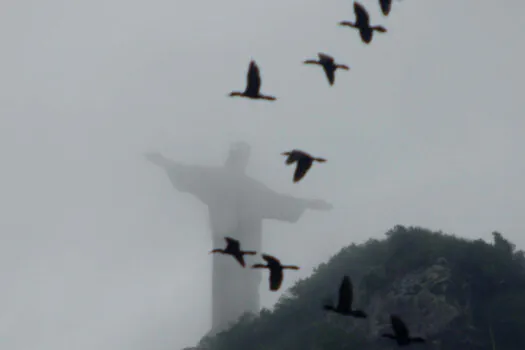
(99, 252)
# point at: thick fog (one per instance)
(100, 252)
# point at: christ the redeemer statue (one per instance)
(237, 205)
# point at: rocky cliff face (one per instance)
(421, 298)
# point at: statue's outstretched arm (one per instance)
(193, 179)
(161, 161)
(288, 208)
(317, 204)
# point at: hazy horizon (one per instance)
(99, 251)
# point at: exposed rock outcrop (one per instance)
(422, 300)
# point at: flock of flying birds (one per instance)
(253, 80)
(304, 162)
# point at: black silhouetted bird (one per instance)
(276, 270)
(328, 64)
(304, 162)
(346, 295)
(386, 6)
(233, 248)
(253, 85)
(401, 332)
(362, 22)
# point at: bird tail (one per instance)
(343, 66)
(291, 267)
(320, 160)
(216, 251)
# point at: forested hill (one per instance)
(459, 294)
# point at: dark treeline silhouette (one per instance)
(454, 293)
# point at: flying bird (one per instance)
(346, 295)
(233, 248)
(276, 270)
(401, 332)
(328, 64)
(253, 85)
(386, 6)
(304, 162)
(362, 22)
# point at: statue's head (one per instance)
(238, 157)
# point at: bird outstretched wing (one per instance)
(399, 327)
(366, 36)
(271, 259)
(386, 5)
(240, 259)
(253, 79)
(303, 165)
(330, 73)
(325, 57)
(233, 243)
(276, 279)
(361, 15)
(345, 294)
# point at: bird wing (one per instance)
(303, 165)
(325, 57)
(366, 35)
(330, 73)
(240, 259)
(253, 82)
(386, 5)
(399, 327)
(271, 260)
(232, 243)
(276, 278)
(345, 294)
(361, 15)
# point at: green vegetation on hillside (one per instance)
(457, 293)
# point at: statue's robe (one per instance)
(237, 204)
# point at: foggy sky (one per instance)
(100, 252)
